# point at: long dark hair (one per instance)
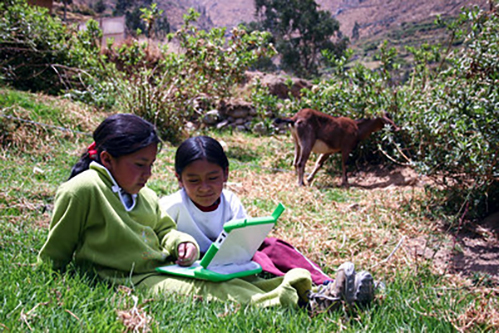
(119, 135)
(200, 148)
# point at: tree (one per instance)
(155, 24)
(301, 32)
(355, 31)
(122, 7)
(66, 3)
(143, 16)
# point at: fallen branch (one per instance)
(391, 254)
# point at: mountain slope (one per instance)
(372, 16)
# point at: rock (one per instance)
(280, 86)
(236, 108)
(238, 113)
(240, 121)
(223, 124)
(241, 128)
(260, 128)
(211, 117)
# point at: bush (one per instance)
(40, 54)
(33, 48)
(452, 115)
(209, 64)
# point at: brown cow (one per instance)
(317, 132)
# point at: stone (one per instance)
(211, 117)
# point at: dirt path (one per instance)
(473, 251)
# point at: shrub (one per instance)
(453, 112)
(448, 110)
(40, 54)
(209, 64)
(33, 48)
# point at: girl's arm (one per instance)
(64, 231)
(171, 238)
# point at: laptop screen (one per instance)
(240, 245)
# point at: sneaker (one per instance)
(349, 287)
(364, 288)
(330, 295)
(323, 300)
(344, 284)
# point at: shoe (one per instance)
(348, 287)
(345, 282)
(364, 288)
(325, 299)
(330, 295)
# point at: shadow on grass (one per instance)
(242, 155)
(373, 178)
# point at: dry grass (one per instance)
(133, 316)
(364, 232)
(31, 129)
(363, 226)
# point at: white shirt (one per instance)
(203, 226)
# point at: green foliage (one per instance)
(152, 18)
(213, 64)
(154, 99)
(33, 48)
(39, 53)
(72, 62)
(91, 72)
(143, 16)
(452, 114)
(355, 92)
(210, 64)
(447, 110)
(265, 104)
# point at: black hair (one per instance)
(120, 134)
(200, 148)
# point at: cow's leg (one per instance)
(317, 166)
(302, 162)
(306, 145)
(305, 137)
(344, 157)
(297, 149)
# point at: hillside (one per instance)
(373, 17)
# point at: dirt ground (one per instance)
(472, 252)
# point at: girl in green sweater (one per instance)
(105, 219)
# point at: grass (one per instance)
(328, 223)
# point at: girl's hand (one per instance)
(187, 254)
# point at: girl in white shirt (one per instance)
(202, 206)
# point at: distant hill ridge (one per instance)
(372, 16)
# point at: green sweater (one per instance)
(91, 225)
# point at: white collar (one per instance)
(116, 188)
